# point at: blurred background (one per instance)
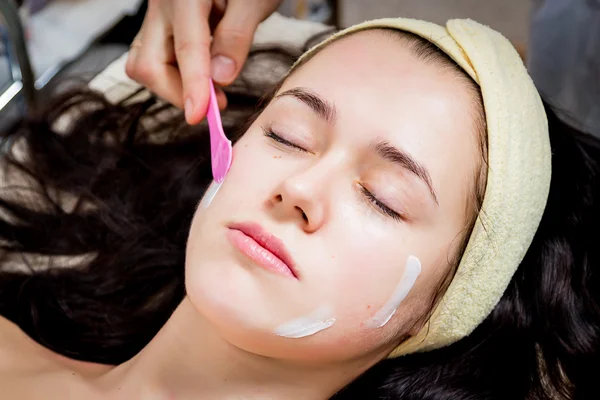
(508, 16)
(558, 39)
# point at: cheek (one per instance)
(362, 297)
(246, 182)
(369, 265)
(370, 280)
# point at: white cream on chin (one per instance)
(412, 270)
(320, 319)
(210, 194)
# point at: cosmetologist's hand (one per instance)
(174, 54)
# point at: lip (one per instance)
(263, 248)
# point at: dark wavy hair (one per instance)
(95, 212)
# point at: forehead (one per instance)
(374, 73)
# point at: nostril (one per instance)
(304, 217)
(279, 198)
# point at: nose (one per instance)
(301, 198)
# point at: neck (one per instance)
(188, 360)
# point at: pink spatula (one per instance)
(220, 146)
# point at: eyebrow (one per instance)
(320, 107)
(384, 149)
(390, 153)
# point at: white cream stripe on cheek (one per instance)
(321, 319)
(412, 271)
(210, 194)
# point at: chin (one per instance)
(248, 327)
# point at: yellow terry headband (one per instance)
(518, 177)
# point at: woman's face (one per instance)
(362, 167)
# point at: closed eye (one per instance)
(370, 197)
(381, 207)
(268, 132)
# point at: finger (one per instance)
(169, 86)
(153, 60)
(221, 98)
(132, 54)
(134, 50)
(232, 41)
(192, 50)
(157, 38)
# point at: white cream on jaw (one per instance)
(210, 194)
(322, 318)
(412, 270)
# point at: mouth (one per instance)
(265, 249)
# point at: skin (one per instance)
(220, 342)
(174, 56)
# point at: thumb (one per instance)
(232, 41)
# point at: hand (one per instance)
(173, 55)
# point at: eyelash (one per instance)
(276, 138)
(381, 206)
(370, 197)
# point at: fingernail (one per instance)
(189, 109)
(222, 68)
